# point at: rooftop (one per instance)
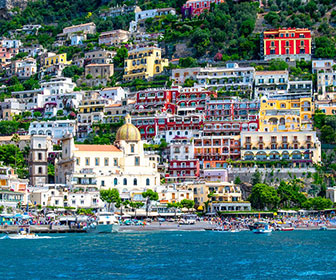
(96, 148)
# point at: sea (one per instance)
(172, 255)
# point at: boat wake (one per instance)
(31, 237)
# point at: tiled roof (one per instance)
(97, 148)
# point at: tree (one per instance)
(72, 71)
(319, 119)
(136, 205)
(277, 64)
(272, 18)
(175, 205)
(264, 197)
(237, 180)
(119, 58)
(150, 195)
(317, 203)
(189, 82)
(256, 178)
(60, 113)
(37, 114)
(188, 62)
(290, 195)
(187, 203)
(110, 196)
(327, 134)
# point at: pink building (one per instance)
(196, 7)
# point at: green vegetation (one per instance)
(287, 195)
(150, 195)
(111, 197)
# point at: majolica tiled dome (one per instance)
(128, 132)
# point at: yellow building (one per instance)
(144, 63)
(286, 115)
(56, 59)
(297, 148)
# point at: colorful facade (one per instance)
(144, 63)
(196, 7)
(298, 148)
(288, 44)
(286, 115)
(56, 59)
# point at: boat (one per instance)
(323, 228)
(106, 222)
(287, 229)
(23, 233)
(261, 228)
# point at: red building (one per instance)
(230, 117)
(195, 7)
(288, 44)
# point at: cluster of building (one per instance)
(184, 142)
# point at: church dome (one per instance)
(128, 132)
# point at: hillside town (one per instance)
(94, 111)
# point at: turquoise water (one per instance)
(172, 255)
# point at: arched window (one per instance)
(135, 182)
(125, 182)
(115, 181)
(147, 182)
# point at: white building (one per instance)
(54, 102)
(87, 28)
(114, 93)
(23, 69)
(100, 57)
(58, 86)
(229, 78)
(77, 39)
(276, 85)
(143, 15)
(9, 43)
(326, 78)
(114, 37)
(331, 194)
(174, 193)
(54, 129)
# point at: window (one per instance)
(135, 182)
(102, 183)
(115, 162)
(40, 170)
(147, 182)
(96, 161)
(115, 181)
(132, 148)
(87, 161)
(77, 161)
(39, 156)
(106, 161)
(125, 182)
(137, 161)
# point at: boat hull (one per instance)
(105, 228)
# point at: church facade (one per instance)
(124, 166)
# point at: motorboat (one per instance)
(24, 233)
(261, 228)
(106, 222)
(287, 229)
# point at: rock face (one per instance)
(7, 5)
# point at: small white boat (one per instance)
(24, 233)
(261, 228)
(106, 223)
